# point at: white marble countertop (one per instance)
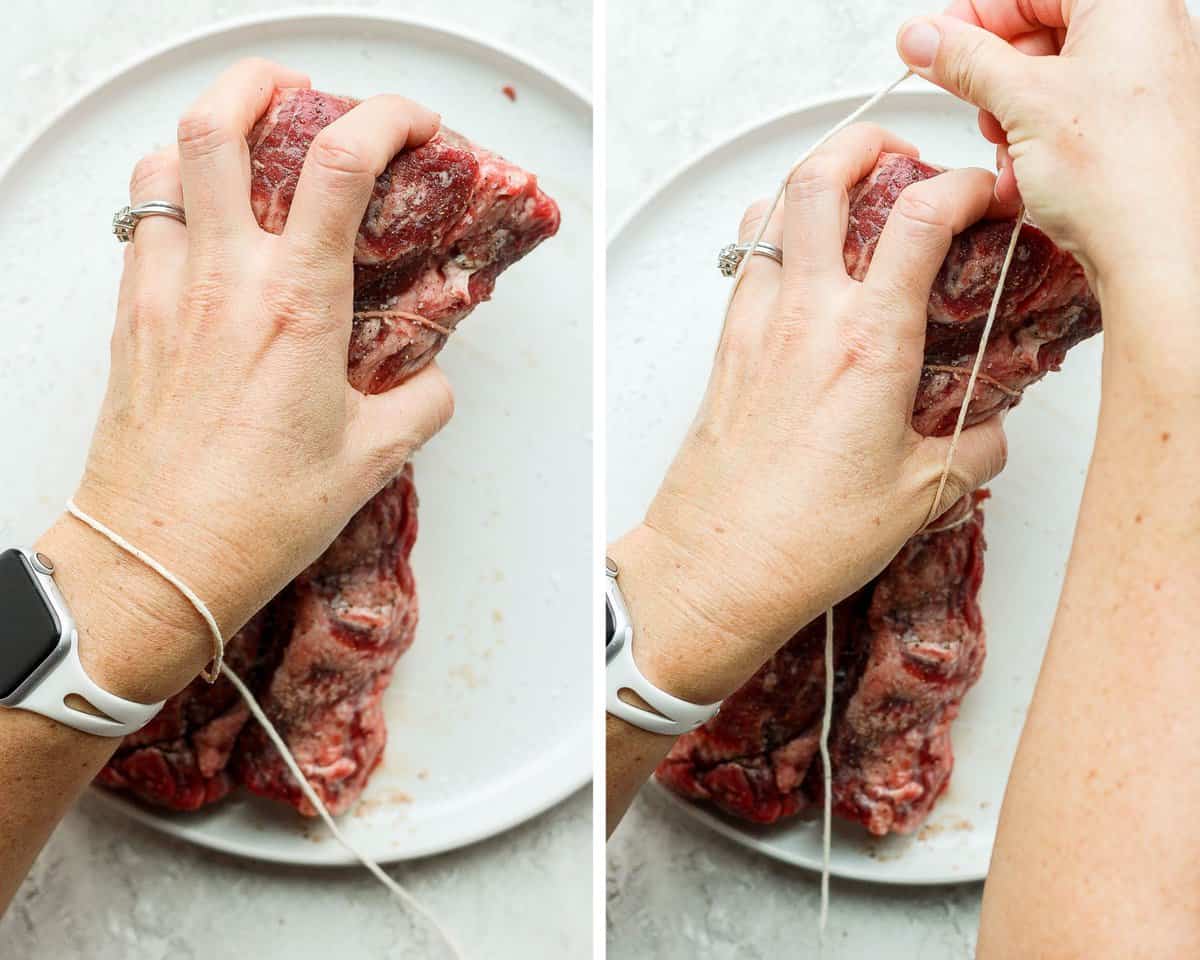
(108, 889)
(674, 889)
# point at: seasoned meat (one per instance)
(445, 220)
(352, 614)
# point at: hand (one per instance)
(802, 475)
(1095, 110)
(230, 446)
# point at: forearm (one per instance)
(1097, 849)
(681, 645)
(630, 758)
(137, 638)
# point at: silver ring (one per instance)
(126, 219)
(731, 256)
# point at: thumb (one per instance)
(968, 61)
(981, 454)
(389, 427)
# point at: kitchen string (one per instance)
(219, 668)
(935, 506)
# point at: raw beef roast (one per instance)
(444, 221)
(911, 643)
(350, 617)
(753, 757)
(1047, 307)
(180, 758)
(922, 638)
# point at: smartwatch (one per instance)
(668, 714)
(39, 654)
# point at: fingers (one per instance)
(817, 203)
(990, 127)
(968, 61)
(391, 426)
(979, 458)
(1042, 43)
(760, 281)
(158, 240)
(126, 292)
(340, 169)
(155, 262)
(213, 156)
(1006, 178)
(1010, 18)
(915, 240)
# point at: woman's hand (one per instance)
(802, 475)
(230, 446)
(1097, 137)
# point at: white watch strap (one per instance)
(670, 715)
(674, 716)
(67, 677)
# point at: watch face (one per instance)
(29, 631)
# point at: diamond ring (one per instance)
(731, 256)
(126, 219)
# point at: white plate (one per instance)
(488, 713)
(664, 312)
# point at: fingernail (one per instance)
(919, 43)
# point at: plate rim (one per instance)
(731, 832)
(578, 745)
(850, 99)
(275, 17)
(335, 855)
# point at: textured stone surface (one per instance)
(108, 889)
(675, 890)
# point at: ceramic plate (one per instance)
(665, 298)
(488, 713)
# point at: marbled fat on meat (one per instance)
(352, 614)
(1047, 306)
(924, 643)
(443, 222)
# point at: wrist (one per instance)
(1160, 271)
(1150, 340)
(139, 638)
(688, 638)
(169, 527)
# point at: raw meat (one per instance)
(179, 758)
(444, 221)
(906, 648)
(1047, 307)
(924, 640)
(911, 644)
(352, 614)
(319, 658)
(753, 757)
